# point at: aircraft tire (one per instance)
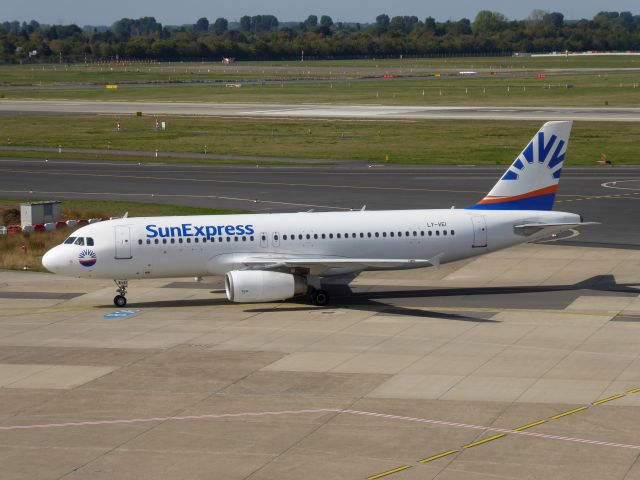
(119, 301)
(320, 298)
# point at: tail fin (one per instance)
(531, 181)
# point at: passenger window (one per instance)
(244, 239)
(444, 232)
(275, 237)
(377, 234)
(180, 240)
(173, 240)
(415, 234)
(300, 237)
(251, 238)
(164, 241)
(453, 232)
(391, 234)
(361, 235)
(308, 237)
(315, 235)
(90, 241)
(70, 240)
(353, 235)
(219, 239)
(196, 240)
(399, 234)
(422, 233)
(437, 233)
(284, 237)
(324, 236)
(430, 233)
(79, 241)
(156, 241)
(188, 240)
(228, 239)
(235, 239)
(331, 235)
(139, 242)
(338, 235)
(148, 242)
(369, 234)
(384, 234)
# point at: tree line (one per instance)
(264, 37)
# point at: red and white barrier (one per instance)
(51, 226)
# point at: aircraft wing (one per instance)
(269, 262)
(529, 229)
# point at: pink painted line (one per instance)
(493, 429)
(323, 410)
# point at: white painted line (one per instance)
(320, 410)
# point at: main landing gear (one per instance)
(120, 300)
(319, 297)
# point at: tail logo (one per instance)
(87, 258)
(538, 154)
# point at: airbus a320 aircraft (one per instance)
(271, 257)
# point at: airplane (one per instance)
(273, 257)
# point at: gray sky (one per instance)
(105, 12)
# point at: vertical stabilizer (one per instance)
(531, 181)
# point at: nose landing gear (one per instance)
(120, 300)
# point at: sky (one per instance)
(105, 12)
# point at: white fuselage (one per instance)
(155, 247)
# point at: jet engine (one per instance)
(246, 286)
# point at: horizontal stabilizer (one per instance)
(529, 229)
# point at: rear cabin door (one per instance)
(123, 242)
(479, 232)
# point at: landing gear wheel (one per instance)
(119, 301)
(320, 298)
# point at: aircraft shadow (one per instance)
(343, 296)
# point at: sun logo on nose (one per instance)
(88, 258)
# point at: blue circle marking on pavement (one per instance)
(122, 314)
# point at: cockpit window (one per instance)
(90, 241)
(70, 240)
(79, 241)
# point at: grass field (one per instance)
(190, 71)
(429, 142)
(24, 251)
(614, 90)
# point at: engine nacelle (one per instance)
(247, 286)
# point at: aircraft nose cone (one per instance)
(52, 260)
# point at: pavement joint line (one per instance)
(436, 457)
(633, 390)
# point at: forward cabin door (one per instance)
(123, 242)
(479, 231)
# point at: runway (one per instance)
(610, 195)
(319, 111)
